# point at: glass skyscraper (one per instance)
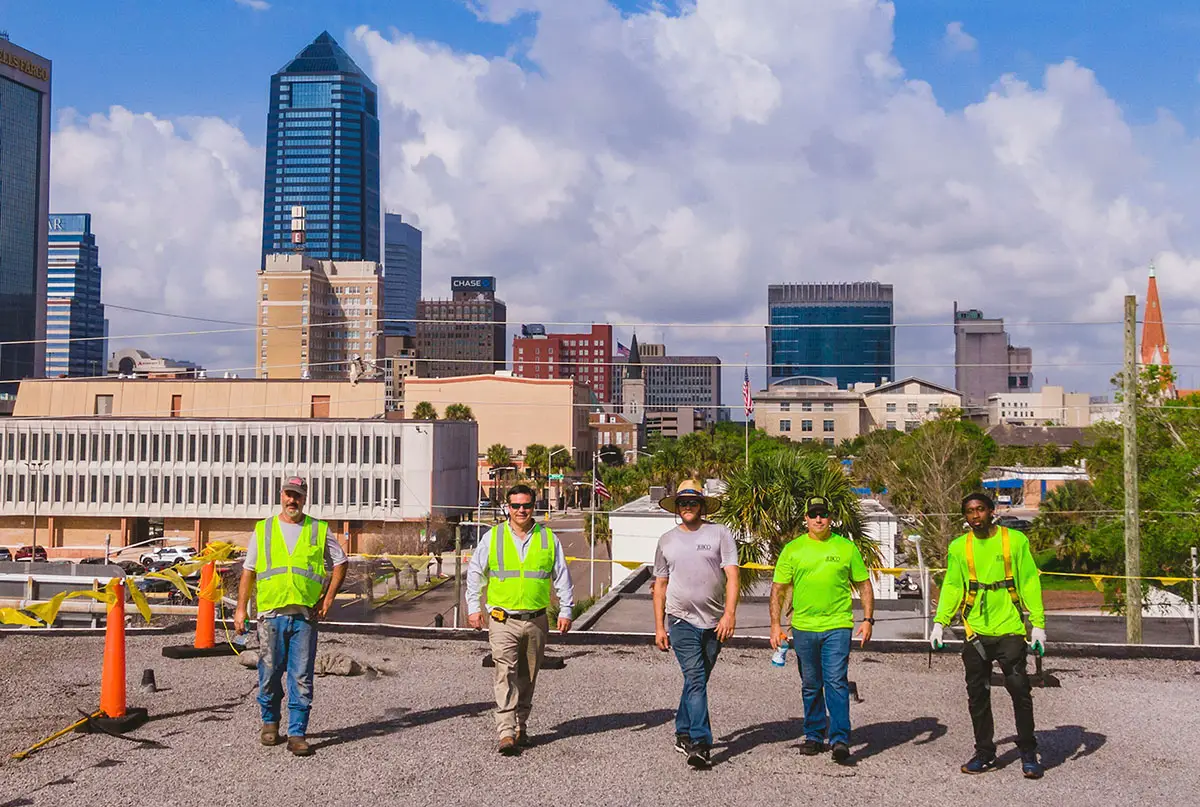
(24, 209)
(856, 345)
(401, 275)
(323, 154)
(75, 342)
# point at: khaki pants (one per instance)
(518, 647)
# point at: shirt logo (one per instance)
(704, 547)
(832, 558)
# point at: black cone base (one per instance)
(133, 718)
(187, 651)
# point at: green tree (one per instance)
(498, 455)
(612, 455)
(763, 505)
(1066, 521)
(926, 473)
(424, 411)
(561, 458)
(535, 461)
(458, 411)
(1168, 433)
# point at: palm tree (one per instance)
(424, 411)
(1065, 522)
(498, 456)
(764, 505)
(458, 411)
(535, 461)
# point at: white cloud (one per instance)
(176, 207)
(957, 40)
(655, 168)
(257, 5)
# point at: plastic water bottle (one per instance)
(779, 657)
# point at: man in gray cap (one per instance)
(295, 569)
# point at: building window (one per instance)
(204, 490)
(104, 405)
(912, 407)
(911, 425)
(785, 425)
(806, 425)
(354, 460)
(806, 406)
(254, 490)
(828, 426)
(785, 407)
(891, 407)
(828, 441)
(828, 407)
(891, 424)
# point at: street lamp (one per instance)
(37, 466)
(549, 467)
(915, 540)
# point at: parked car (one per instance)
(174, 554)
(132, 567)
(38, 554)
(5, 555)
(1014, 523)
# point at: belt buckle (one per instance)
(499, 615)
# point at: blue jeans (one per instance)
(697, 651)
(286, 644)
(824, 661)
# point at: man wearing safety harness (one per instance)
(520, 558)
(990, 575)
(295, 569)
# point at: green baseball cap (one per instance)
(816, 504)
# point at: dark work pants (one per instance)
(1009, 651)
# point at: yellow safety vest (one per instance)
(515, 584)
(285, 578)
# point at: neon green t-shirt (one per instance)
(994, 613)
(821, 574)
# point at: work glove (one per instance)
(935, 636)
(1037, 641)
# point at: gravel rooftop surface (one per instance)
(1117, 732)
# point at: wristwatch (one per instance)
(870, 620)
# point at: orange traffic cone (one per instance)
(206, 612)
(116, 716)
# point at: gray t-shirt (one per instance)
(334, 556)
(695, 561)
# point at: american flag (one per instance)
(622, 351)
(746, 399)
(602, 491)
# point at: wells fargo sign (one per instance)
(25, 66)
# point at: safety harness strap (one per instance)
(974, 586)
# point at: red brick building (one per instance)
(583, 356)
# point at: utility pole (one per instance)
(1133, 541)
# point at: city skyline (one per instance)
(477, 156)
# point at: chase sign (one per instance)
(473, 284)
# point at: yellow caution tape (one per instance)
(173, 577)
(43, 614)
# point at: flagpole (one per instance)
(748, 411)
(592, 564)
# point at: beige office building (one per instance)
(904, 405)
(516, 412)
(1050, 406)
(315, 316)
(237, 398)
(806, 409)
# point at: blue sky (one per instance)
(213, 57)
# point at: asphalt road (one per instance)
(1116, 733)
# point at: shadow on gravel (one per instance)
(747, 739)
(224, 708)
(599, 724)
(1059, 745)
(396, 720)
(875, 738)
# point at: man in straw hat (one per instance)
(695, 605)
(821, 568)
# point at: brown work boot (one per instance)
(508, 746)
(523, 739)
(269, 735)
(299, 747)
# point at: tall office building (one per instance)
(315, 316)
(401, 275)
(464, 335)
(24, 211)
(585, 356)
(323, 154)
(75, 329)
(846, 332)
(985, 363)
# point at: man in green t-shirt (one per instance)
(821, 568)
(990, 574)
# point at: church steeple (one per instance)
(1154, 336)
(633, 365)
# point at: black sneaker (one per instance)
(841, 753)
(979, 764)
(810, 748)
(1031, 767)
(683, 743)
(700, 757)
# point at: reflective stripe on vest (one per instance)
(973, 584)
(517, 585)
(296, 578)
